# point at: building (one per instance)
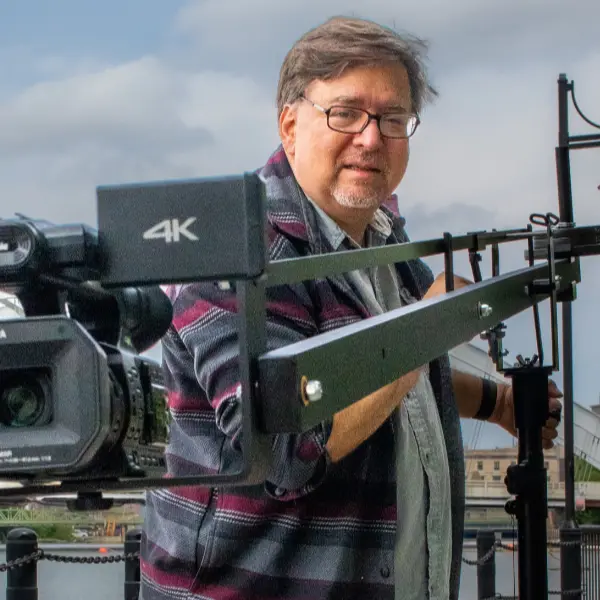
(490, 466)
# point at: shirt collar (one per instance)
(378, 230)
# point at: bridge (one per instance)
(49, 515)
(493, 493)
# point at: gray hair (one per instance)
(341, 43)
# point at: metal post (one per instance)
(486, 571)
(133, 538)
(565, 203)
(527, 480)
(570, 560)
(21, 582)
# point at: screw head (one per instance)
(484, 310)
(314, 390)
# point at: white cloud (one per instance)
(470, 30)
(141, 120)
(489, 141)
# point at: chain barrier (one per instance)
(499, 545)
(550, 592)
(41, 555)
(116, 558)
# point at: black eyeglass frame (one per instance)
(370, 117)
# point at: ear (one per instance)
(287, 129)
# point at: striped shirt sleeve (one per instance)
(206, 323)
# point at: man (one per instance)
(372, 499)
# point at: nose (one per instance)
(370, 137)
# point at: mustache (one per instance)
(367, 161)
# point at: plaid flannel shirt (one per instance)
(314, 530)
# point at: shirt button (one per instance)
(385, 572)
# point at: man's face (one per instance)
(343, 171)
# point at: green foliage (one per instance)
(54, 532)
(590, 516)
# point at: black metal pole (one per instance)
(563, 163)
(570, 561)
(486, 571)
(132, 567)
(568, 417)
(527, 479)
(21, 581)
(570, 555)
(565, 203)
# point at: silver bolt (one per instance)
(485, 310)
(314, 390)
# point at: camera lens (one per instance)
(23, 402)
(16, 246)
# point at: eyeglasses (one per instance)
(346, 119)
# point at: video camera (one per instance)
(80, 408)
(76, 401)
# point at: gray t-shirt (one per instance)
(423, 540)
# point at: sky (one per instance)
(96, 93)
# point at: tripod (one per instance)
(527, 479)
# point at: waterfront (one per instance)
(71, 581)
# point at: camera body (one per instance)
(76, 401)
(72, 408)
(81, 410)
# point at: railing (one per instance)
(23, 554)
(590, 563)
(497, 489)
(579, 562)
(579, 556)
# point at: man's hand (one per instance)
(504, 413)
(438, 287)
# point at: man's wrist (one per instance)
(489, 400)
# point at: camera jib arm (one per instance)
(295, 387)
(393, 344)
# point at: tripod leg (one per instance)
(527, 480)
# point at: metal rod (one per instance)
(584, 145)
(563, 166)
(568, 416)
(251, 297)
(565, 201)
(292, 270)
(590, 137)
(449, 261)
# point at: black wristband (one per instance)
(488, 400)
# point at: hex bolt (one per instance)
(484, 310)
(314, 390)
